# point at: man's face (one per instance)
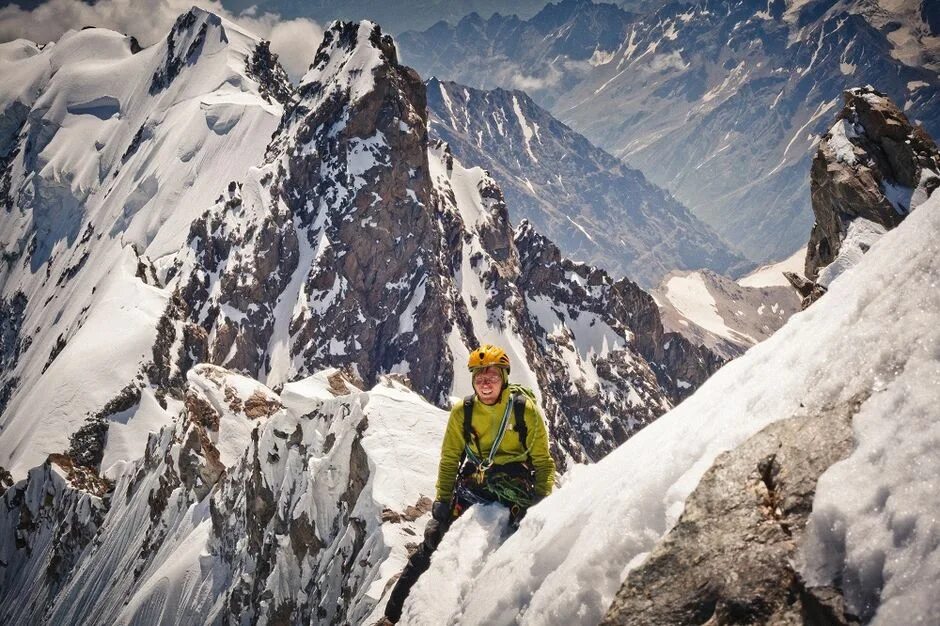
(488, 382)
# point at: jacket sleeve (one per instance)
(538, 450)
(451, 453)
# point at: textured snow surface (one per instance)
(875, 332)
(860, 236)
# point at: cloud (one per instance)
(294, 40)
(535, 83)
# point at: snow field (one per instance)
(690, 295)
(89, 99)
(772, 275)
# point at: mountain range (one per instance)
(721, 102)
(595, 208)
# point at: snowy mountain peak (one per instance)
(195, 32)
(347, 58)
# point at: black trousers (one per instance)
(417, 565)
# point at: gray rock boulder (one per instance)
(730, 557)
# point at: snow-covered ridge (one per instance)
(103, 170)
(326, 472)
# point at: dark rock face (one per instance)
(650, 367)
(12, 344)
(175, 55)
(336, 194)
(875, 165)
(592, 206)
(272, 79)
(729, 559)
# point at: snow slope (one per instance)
(113, 156)
(772, 275)
(875, 333)
(726, 316)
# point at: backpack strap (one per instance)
(518, 409)
(468, 434)
(467, 418)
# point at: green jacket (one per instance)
(486, 420)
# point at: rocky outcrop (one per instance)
(874, 165)
(48, 519)
(677, 364)
(273, 82)
(871, 170)
(12, 343)
(730, 557)
(183, 43)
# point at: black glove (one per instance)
(440, 511)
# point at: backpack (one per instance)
(518, 395)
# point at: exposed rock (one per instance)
(273, 82)
(873, 165)
(12, 343)
(678, 365)
(260, 405)
(6, 480)
(55, 513)
(410, 514)
(809, 291)
(181, 36)
(57, 348)
(729, 558)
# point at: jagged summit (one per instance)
(353, 50)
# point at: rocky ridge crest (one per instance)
(871, 170)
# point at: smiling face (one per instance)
(488, 383)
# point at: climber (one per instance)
(495, 449)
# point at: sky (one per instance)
(293, 40)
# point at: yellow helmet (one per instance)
(487, 355)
